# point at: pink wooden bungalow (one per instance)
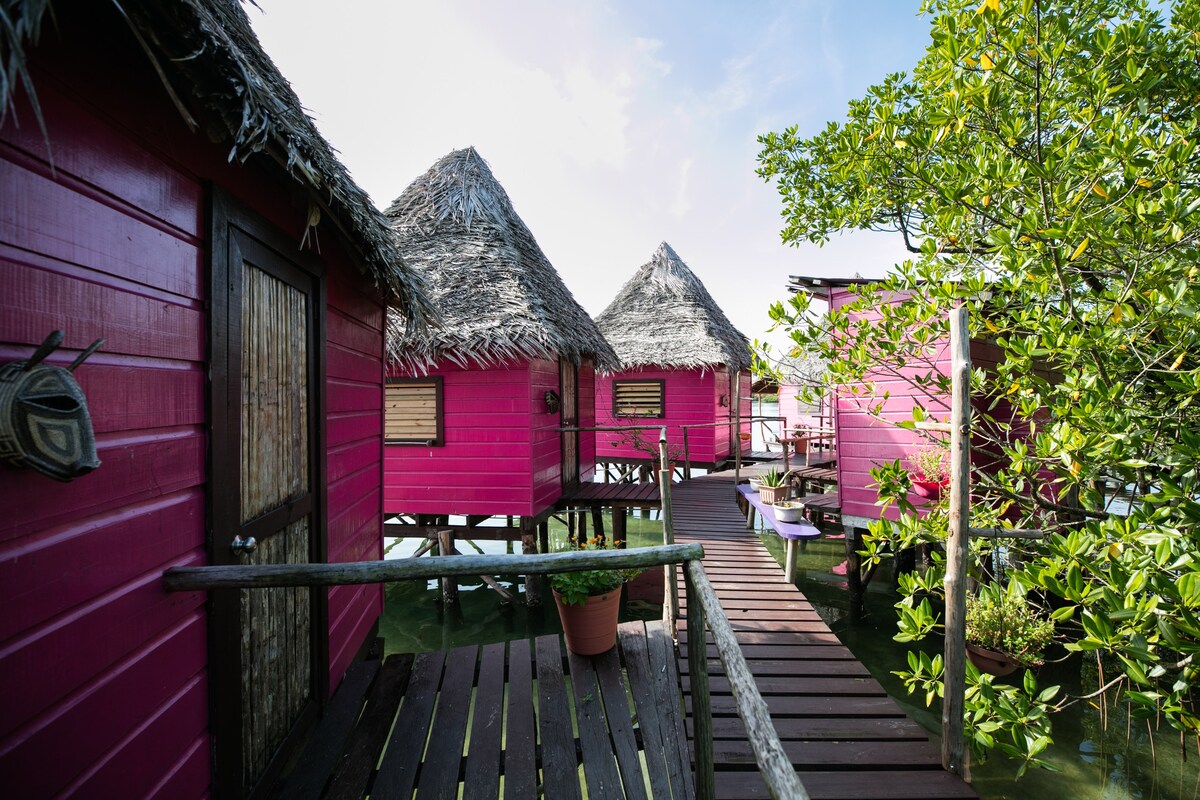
(474, 407)
(167, 194)
(864, 441)
(682, 363)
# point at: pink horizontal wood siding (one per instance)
(488, 461)
(864, 442)
(691, 397)
(587, 419)
(797, 414)
(354, 333)
(103, 675)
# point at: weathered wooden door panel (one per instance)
(267, 644)
(569, 409)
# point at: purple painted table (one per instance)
(791, 532)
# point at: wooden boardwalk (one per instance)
(843, 733)
(472, 723)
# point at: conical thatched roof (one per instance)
(665, 317)
(228, 89)
(498, 296)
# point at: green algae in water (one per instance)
(415, 621)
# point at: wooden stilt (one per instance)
(618, 527)
(598, 523)
(533, 583)
(449, 585)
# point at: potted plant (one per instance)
(1004, 632)
(929, 471)
(774, 486)
(588, 602)
(789, 510)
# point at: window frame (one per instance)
(662, 397)
(439, 410)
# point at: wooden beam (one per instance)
(191, 579)
(957, 544)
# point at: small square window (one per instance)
(638, 399)
(413, 411)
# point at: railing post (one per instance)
(687, 456)
(702, 732)
(671, 607)
(957, 544)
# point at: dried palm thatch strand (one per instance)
(499, 298)
(218, 76)
(664, 317)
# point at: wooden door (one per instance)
(568, 378)
(267, 660)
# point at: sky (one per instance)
(612, 126)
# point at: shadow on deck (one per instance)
(513, 720)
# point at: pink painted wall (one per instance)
(796, 413)
(502, 450)
(691, 397)
(103, 675)
(864, 442)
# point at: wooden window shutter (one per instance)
(638, 399)
(413, 411)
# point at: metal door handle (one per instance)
(240, 545)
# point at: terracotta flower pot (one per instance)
(990, 661)
(590, 629)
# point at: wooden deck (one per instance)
(843, 733)
(616, 495)
(492, 732)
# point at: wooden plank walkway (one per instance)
(617, 495)
(843, 733)
(472, 723)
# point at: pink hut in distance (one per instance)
(238, 394)
(474, 407)
(683, 363)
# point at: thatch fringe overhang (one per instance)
(499, 298)
(219, 78)
(663, 316)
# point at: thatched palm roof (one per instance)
(498, 296)
(217, 74)
(665, 317)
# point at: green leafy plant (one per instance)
(1039, 163)
(577, 587)
(773, 478)
(930, 463)
(1001, 619)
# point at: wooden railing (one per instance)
(703, 610)
(734, 426)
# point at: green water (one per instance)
(1094, 764)
(415, 621)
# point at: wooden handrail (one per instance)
(247, 576)
(704, 609)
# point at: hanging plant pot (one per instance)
(930, 490)
(990, 661)
(590, 629)
(745, 437)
